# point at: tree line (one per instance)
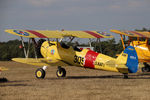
(11, 49)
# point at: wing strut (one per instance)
(24, 49)
(90, 41)
(99, 41)
(28, 48)
(122, 42)
(35, 45)
(26, 52)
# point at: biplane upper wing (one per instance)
(58, 34)
(144, 34)
(3, 69)
(40, 61)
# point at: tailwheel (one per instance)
(146, 68)
(40, 73)
(61, 72)
(125, 76)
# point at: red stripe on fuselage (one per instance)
(90, 58)
(37, 34)
(93, 34)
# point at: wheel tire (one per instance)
(61, 72)
(40, 73)
(145, 69)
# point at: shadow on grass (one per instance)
(93, 77)
(139, 76)
(14, 85)
(146, 73)
(3, 80)
(15, 81)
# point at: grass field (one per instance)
(80, 84)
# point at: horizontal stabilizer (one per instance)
(122, 68)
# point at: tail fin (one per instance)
(132, 60)
(129, 58)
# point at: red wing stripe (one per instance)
(137, 33)
(93, 34)
(37, 34)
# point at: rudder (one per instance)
(132, 60)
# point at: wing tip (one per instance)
(7, 30)
(3, 69)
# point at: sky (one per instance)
(100, 15)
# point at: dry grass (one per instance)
(80, 84)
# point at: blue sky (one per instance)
(73, 15)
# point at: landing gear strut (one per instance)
(61, 72)
(125, 76)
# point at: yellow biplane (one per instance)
(57, 53)
(142, 46)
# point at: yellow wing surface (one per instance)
(58, 34)
(40, 61)
(132, 33)
(3, 69)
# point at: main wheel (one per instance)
(61, 72)
(146, 67)
(40, 73)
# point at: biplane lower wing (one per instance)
(40, 61)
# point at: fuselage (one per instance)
(143, 50)
(73, 56)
